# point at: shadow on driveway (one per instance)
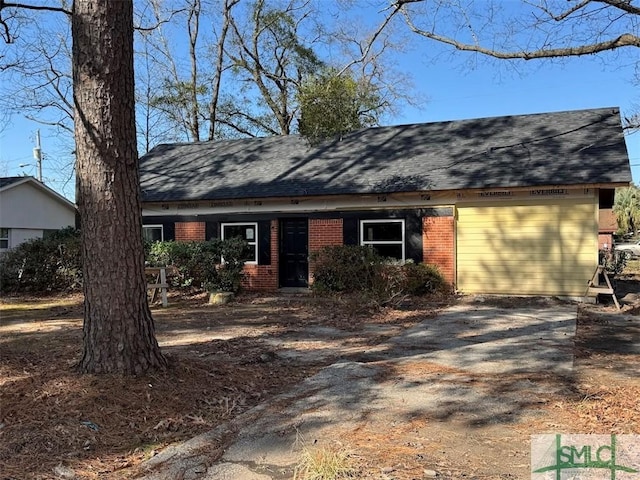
(477, 366)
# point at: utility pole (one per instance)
(37, 155)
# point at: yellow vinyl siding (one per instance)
(516, 249)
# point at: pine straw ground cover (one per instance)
(55, 423)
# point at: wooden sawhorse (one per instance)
(160, 283)
(595, 288)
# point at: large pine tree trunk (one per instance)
(119, 332)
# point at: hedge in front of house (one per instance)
(54, 263)
(199, 264)
(360, 269)
(49, 264)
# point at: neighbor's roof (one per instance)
(562, 148)
(7, 183)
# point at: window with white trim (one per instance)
(385, 236)
(153, 233)
(4, 238)
(247, 232)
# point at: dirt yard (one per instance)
(55, 423)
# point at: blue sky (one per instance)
(452, 90)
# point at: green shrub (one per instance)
(53, 263)
(191, 260)
(423, 278)
(345, 268)
(199, 263)
(226, 277)
(380, 281)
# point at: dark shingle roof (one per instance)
(6, 181)
(562, 148)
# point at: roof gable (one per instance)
(562, 148)
(7, 183)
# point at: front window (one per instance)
(4, 238)
(153, 233)
(385, 236)
(247, 232)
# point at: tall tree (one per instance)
(334, 103)
(205, 69)
(251, 59)
(180, 94)
(215, 118)
(192, 102)
(269, 53)
(118, 327)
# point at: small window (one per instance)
(152, 233)
(606, 197)
(384, 236)
(4, 238)
(246, 231)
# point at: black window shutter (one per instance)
(350, 231)
(413, 238)
(264, 242)
(211, 230)
(168, 231)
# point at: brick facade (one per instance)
(438, 244)
(323, 232)
(190, 231)
(264, 277)
(438, 237)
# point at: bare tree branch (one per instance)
(620, 40)
(160, 22)
(577, 7)
(624, 5)
(365, 52)
(26, 6)
(624, 40)
(58, 124)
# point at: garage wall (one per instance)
(524, 249)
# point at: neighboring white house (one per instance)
(29, 209)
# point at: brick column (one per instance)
(323, 232)
(438, 245)
(190, 231)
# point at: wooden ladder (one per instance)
(595, 288)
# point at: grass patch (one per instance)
(331, 462)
